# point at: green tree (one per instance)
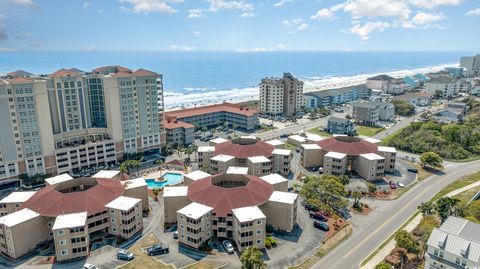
(356, 199)
(372, 188)
(251, 258)
(204, 130)
(403, 108)
(438, 94)
(325, 193)
(447, 206)
(427, 208)
(344, 179)
(226, 124)
(431, 158)
(383, 265)
(155, 193)
(407, 241)
(129, 165)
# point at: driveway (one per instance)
(295, 247)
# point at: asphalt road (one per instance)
(378, 227)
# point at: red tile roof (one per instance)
(244, 151)
(19, 73)
(50, 202)
(356, 147)
(117, 67)
(173, 123)
(19, 80)
(174, 162)
(225, 107)
(144, 73)
(65, 73)
(223, 200)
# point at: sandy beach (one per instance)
(175, 100)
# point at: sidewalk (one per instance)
(387, 248)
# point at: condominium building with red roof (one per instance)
(343, 154)
(68, 212)
(234, 206)
(180, 124)
(260, 157)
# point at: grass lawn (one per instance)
(318, 131)
(290, 146)
(368, 130)
(460, 183)
(142, 260)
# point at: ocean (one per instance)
(196, 78)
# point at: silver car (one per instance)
(228, 246)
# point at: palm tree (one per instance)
(226, 124)
(235, 126)
(356, 199)
(251, 258)
(155, 193)
(194, 149)
(204, 130)
(344, 179)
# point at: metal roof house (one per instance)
(456, 244)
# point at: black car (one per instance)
(310, 207)
(413, 170)
(321, 225)
(157, 249)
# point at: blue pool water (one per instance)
(171, 179)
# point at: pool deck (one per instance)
(160, 173)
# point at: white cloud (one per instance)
(195, 13)
(86, 5)
(197, 33)
(434, 3)
(473, 12)
(323, 14)
(216, 5)
(364, 31)
(29, 3)
(377, 8)
(149, 6)
(282, 3)
(298, 24)
(281, 46)
(425, 19)
(182, 48)
(247, 15)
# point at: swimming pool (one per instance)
(171, 179)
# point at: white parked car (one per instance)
(228, 246)
(89, 266)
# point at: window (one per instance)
(114, 230)
(63, 242)
(61, 232)
(259, 241)
(112, 211)
(259, 221)
(113, 220)
(435, 252)
(259, 231)
(64, 252)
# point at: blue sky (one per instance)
(240, 25)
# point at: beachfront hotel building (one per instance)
(234, 206)
(341, 155)
(71, 119)
(333, 97)
(71, 213)
(261, 158)
(180, 124)
(281, 96)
